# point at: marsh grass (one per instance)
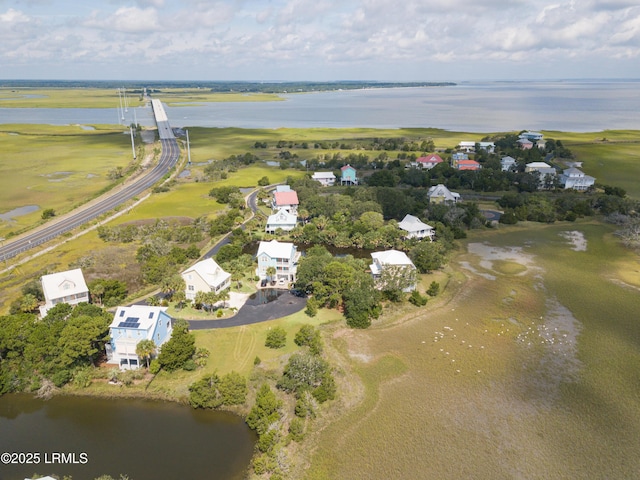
(55, 167)
(64, 98)
(475, 400)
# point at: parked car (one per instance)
(264, 282)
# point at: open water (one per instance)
(577, 106)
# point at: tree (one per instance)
(309, 336)
(265, 411)
(179, 348)
(303, 372)
(395, 280)
(361, 301)
(204, 392)
(48, 213)
(233, 388)
(82, 340)
(146, 349)
(271, 272)
(276, 338)
(264, 181)
(427, 256)
(434, 289)
(28, 303)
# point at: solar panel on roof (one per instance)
(130, 322)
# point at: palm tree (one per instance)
(224, 296)
(200, 299)
(146, 349)
(271, 272)
(98, 291)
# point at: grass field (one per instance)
(55, 167)
(528, 372)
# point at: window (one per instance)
(150, 314)
(122, 313)
(191, 288)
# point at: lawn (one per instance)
(25, 97)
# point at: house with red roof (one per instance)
(467, 165)
(286, 200)
(428, 162)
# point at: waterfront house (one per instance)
(326, 179)
(573, 178)
(287, 200)
(395, 261)
(416, 228)
(282, 220)
(348, 175)
(441, 194)
(532, 136)
(205, 276)
(508, 164)
(63, 287)
(427, 162)
(131, 325)
(283, 256)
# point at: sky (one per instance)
(319, 40)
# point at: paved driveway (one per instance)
(285, 304)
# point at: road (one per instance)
(169, 157)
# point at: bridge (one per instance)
(56, 227)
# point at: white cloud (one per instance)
(284, 35)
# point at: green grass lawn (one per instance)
(25, 97)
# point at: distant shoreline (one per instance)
(220, 86)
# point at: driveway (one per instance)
(285, 304)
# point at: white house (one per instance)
(532, 136)
(541, 167)
(281, 220)
(63, 287)
(287, 200)
(470, 147)
(428, 162)
(441, 194)
(283, 256)
(394, 259)
(575, 179)
(415, 228)
(131, 325)
(508, 164)
(205, 276)
(327, 179)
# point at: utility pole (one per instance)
(188, 149)
(133, 145)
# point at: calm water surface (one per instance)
(144, 439)
(577, 106)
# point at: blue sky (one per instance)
(320, 40)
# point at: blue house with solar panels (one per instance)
(131, 325)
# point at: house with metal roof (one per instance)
(287, 200)
(281, 220)
(441, 194)
(573, 178)
(326, 179)
(416, 228)
(282, 256)
(205, 276)
(131, 325)
(394, 261)
(348, 175)
(63, 287)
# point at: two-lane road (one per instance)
(169, 157)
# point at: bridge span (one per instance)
(57, 226)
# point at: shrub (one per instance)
(296, 430)
(61, 378)
(312, 307)
(154, 366)
(434, 289)
(189, 365)
(417, 299)
(276, 338)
